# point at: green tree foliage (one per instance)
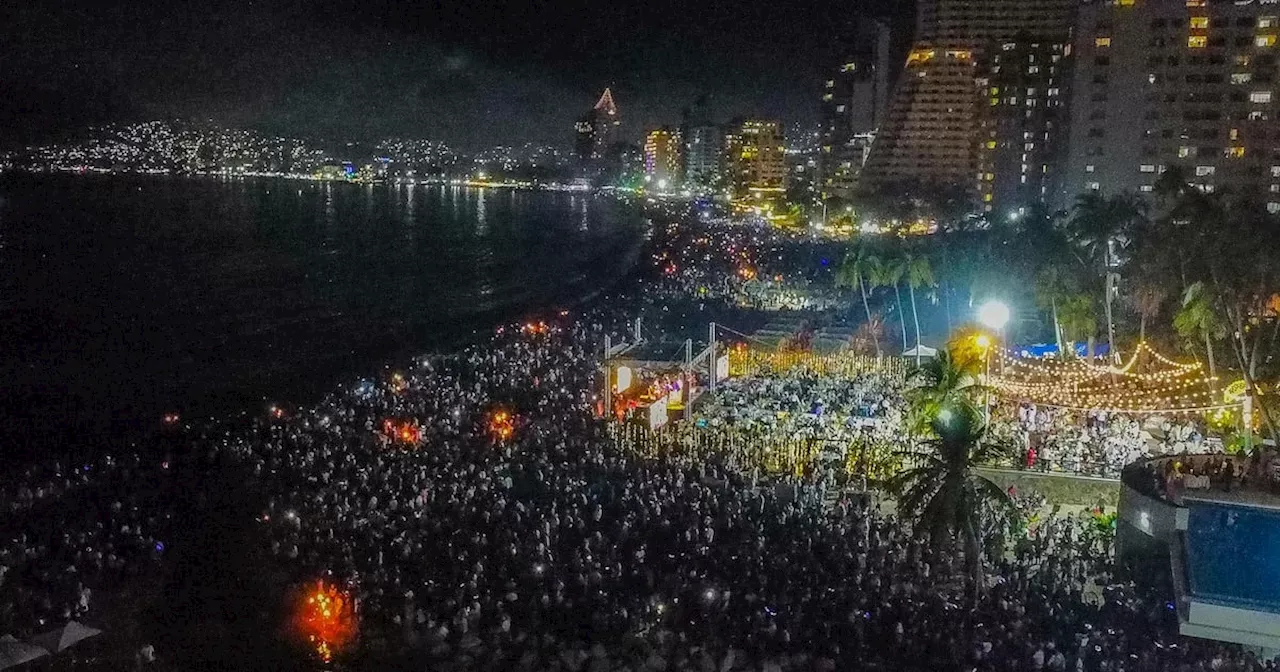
(944, 491)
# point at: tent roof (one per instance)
(921, 350)
(62, 638)
(14, 652)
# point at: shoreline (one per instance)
(48, 420)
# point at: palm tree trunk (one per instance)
(915, 316)
(902, 316)
(973, 558)
(1208, 348)
(1142, 328)
(867, 307)
(1091, 342)
(1111, 326)
(946, 303)
(1057, 328)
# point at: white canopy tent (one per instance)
(921, 351)
(14, 653)
(64, 637)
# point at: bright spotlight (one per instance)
(982, 341)
(994, 314)
(945, 415)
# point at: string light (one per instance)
(1079, 385)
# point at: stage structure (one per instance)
(655, 382)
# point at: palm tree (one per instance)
(1079, 320)
(1197, 320)
(1148, 296)
(1098, 225)
(945, 381)
(918, 274)
(1054, 284)
(944, 491)
(888, 273)
(856, 266)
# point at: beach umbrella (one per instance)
(62, 638)
(14, 652)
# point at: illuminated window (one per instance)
(1146, 188)
(1102, 42)
(1234, 152)
(1199, 22)
(991, 144)
(1185, 151)
(1093, 186)
(1268, 40)
(1125, 3)
(920, 55)
(831, 83)
(826, 96)
(1202, 171)
(1197, 41)
(995, 90)
(1147, 168)
(839, 108)
(1088, 168)
(1275, 171)
(848, 67)
(1235, 134)
(986, 198)
(1267, 22)
(1241, 77)
(1273, 207)
(1260, 97)
(1195, 3)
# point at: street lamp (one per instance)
(994, 314)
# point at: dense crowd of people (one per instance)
(1097, 443)
(485, 518)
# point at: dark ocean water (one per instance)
(125, 298)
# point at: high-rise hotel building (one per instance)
(943, 126)
(663, 160)
(854, 101)
(755, 158)
(1190, 83)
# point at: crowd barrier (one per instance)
(769, 456)
(752, 361)
(803, 455)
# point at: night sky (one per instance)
(470, 73)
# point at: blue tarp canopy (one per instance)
(1051, 349)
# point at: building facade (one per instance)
(854, 101)
(1164, 83)
(597, 130)
(663, 157)
(1023, 124)
(704, 155)
(755, 158)
(940, 125)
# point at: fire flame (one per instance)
(327, 619)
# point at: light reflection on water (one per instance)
(119, 304)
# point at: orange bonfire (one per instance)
(326, 618)
(502, 425)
